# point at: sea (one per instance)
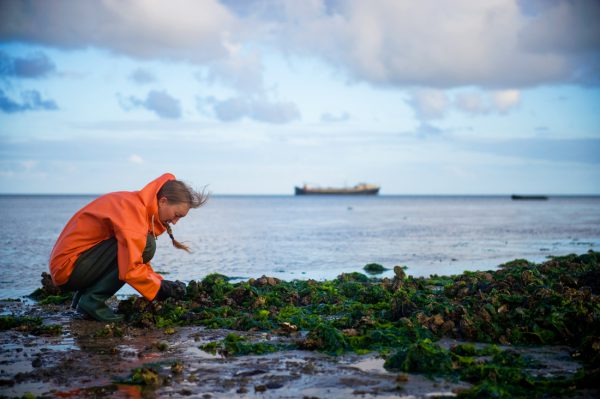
(319, 237)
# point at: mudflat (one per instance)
(523, 330)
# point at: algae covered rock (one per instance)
(327, 339)
(420, 357)
(265, 280)
(235, 345)
(520, 303)
(49, 293)
(147, 375)
(374, 268)
(27, 324)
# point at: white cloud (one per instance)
(506, 100)
(493, 43)
(160, 102)
(193, 30)
(433, 104)
(482, 103)
(429, 104)
(243, 71)
(257, 108)
(136, 159)
(472, 103)
(490, 43)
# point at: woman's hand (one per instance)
(171, 289)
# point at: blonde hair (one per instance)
(177, 192)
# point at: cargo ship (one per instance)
(359, 189)
(529, 197)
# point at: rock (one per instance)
(260, 388)
(438, 320)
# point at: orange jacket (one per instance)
(126, 215)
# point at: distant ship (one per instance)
(359, 189)
(529, 197)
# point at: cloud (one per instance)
(570, 28)
(432, 104)
(159, 102)
(259, 109)
(493, 44)
(426, 130)
(482, 103)
(36, 65)
(429, 104)
(330, 118)
(187, 30)
(136, 159)
(506, 100)
(472, 103)
(142, 76)
(31, 101)
(241, 70)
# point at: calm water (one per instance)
(320, 237)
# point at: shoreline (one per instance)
(349, 336)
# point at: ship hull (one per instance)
(342, 191)
(529, 197)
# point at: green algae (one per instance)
(374, 268)
(32, 325)
(235, 345)
(492, 371)
(110, 330)
(147, 375)
(420, 357)
(49, 294)
(326, 338)
(553, 303)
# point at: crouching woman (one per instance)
(110, 242)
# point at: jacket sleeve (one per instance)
(132, 268)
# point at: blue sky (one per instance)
(254, 97)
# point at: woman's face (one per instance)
(169, 213)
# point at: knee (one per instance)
(150, 248)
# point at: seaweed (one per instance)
(327, 339)
(110, 330)
(147, 375)
(420, 357)
(520, 303)
(50, 294)
(32, 325)
(374, 268)
(235, 345)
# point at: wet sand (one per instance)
(91, 360)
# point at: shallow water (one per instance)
(320, 237)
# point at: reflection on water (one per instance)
(320, 237)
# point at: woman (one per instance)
(110, 242)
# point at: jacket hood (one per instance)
(148, 197)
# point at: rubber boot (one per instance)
(92, 299)
(76, 298)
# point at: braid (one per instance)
(176, 243)
(177, 192)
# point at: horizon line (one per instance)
(341, 195)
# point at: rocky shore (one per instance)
(523, 330)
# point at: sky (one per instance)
(257, 96)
